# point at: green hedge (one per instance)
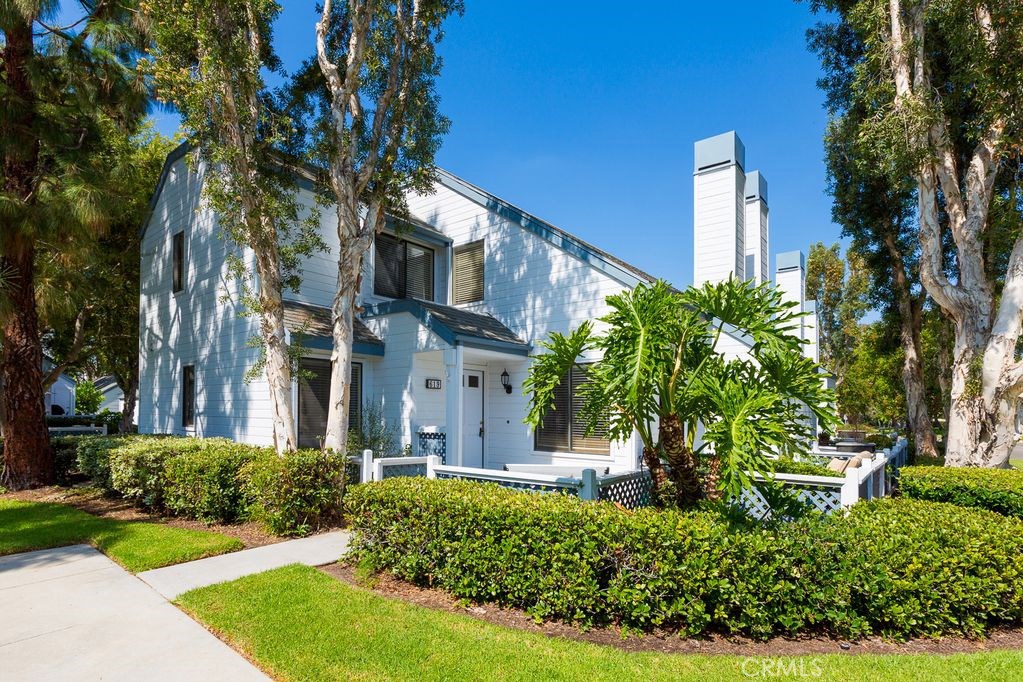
(898, 567)
(217, 480)
(999, 490)
(297, 493)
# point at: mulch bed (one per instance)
(387, 585)
(93, 501)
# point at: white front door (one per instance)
(472, 418)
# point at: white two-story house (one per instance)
(455, 301)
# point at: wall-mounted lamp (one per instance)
(506, 382)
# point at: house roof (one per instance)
(106, 383)
(317, 321)
(455, 325)
(598, 258)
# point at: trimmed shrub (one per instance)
(790, 466)
(93, 457)
(894, 567)
(999, 490)
(883, 441)
(295, 493)
(203, 483)
(137, 467)
(65, 458)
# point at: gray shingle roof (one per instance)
(317, 321)
(454, 325)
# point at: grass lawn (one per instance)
(300, 624)
(137, 546)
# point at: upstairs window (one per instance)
(402, 269)
(178, 262)
(563, 429)
(188, 396)
(468, 273)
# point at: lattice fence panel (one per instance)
(632, 491)
(535, 487)
(433, 444)
(823, 499)
(397, 470)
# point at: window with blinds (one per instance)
(314, 397)
(468, 273)
(402, 269)
(563, 429)
(178, 262)
(188, 396)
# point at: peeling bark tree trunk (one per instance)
(28, 461)
(986, 377)
(912, 365)
(278, 363)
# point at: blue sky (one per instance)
(585, 114)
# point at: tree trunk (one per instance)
(130, 388)
(944, 362)
(681, 460)
(28, 460)
(278, 364)
(912, 366)
(349, 271)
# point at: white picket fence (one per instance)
(874, 478)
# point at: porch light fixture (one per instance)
(506, 382)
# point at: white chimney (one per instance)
(719, 212)
(790, 278)
(756, 241)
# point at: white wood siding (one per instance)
(719, 224)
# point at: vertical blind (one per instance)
(468, 272)
(178, 262)
(314, 397)
(563, 429)
(402, 269)
(188, 395)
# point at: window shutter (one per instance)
(597, 441)
(418, 272)
(552, 434)
(468, 272)
(389, 267)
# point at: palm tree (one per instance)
(663, 374)
(61, 87)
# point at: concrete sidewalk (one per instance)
(312, 551)
(73, 614)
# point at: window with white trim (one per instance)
(402, 269)
(467, 278)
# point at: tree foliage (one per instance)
(840, 287)
(659, 371)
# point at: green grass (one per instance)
(26, 526)
(300, 624)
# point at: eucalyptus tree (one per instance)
(840, 288)
(208, 61)
(379, 130)
(657, 371)
(944, 88)
(60, 86)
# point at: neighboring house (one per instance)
(113, 396)
(454, 302)
(60, 397)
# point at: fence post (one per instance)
(366, 474)
(589, 490)
(431, 462)
(850, 488)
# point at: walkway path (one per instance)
(73, 614)
(313, 551)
